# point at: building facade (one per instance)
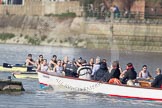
(11, 2)
(39, 7)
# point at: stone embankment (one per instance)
(140, 35)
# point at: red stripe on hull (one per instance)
(128, 97)
(44, 84)
(133, 97)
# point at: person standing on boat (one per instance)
(53, 62)
(29, 61)
(130, 75)
(144, 73)
(157, 82)
(58, 69)
(84, 71)
(43, 66)
(99, 74)
(96, 65)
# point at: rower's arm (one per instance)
(154, 83)
(29, 62)
(149, 75)
(125, 78)
(32, 62)
(39, 68)
(78, 64)
(51, 62)
(54, 69)
(140, 75)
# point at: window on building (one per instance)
(18, 2)
(12, 2)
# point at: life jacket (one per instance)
(84, 72)
(114, 81)
(85, 69)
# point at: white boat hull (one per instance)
(48, 79)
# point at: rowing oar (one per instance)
(7, 65)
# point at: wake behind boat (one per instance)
(75, 84)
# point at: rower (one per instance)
(53, 62)
(78, 62)
(84, 71)
(144, 73)
(96, 66)
(29, 61)
(65, 61)
(115, 71)
(39, 61)
(71, 69)
(101, 72)
(58, 69)
(43, 66)
(91, 62)
(157, 82)
(130, 75)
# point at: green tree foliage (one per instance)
(6, 36)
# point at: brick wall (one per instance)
(73, 6)
(30, 7)
(62, 7)
(138, 7)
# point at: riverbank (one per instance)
(77, 32)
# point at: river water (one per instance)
(33, 97)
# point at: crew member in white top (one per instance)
(43, 66)
(96, 66)
(144, 73)
(59, 68)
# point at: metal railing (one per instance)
(121, 14)
(149, 13)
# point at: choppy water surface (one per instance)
(33, 97)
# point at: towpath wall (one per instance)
(78, 32)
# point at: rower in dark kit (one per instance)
(157, 82)
(29, 61)
(130, 75)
